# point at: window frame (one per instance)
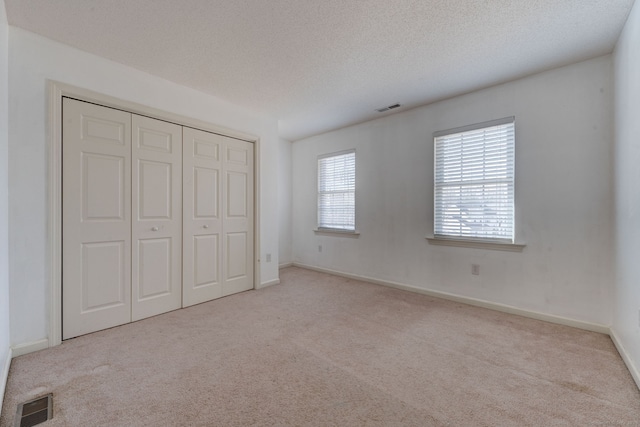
(498, 243)
(335, 230)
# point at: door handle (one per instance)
(205, 226)
(154, 229)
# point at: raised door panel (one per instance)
(236, 248)
(154, 271)
(237, 195)
(205, 193)
(96, 221)
(104, 275)
(205, 249)
(155, 190)
(103, 187)
(202, 222)
(157, 217)
(238, 216)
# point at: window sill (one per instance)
(336, 232)
(476, 244)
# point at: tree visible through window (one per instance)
(336, 191)
(474, 181)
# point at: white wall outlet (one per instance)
(268, 257)
(475, 269)
(319, 248)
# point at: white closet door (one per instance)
(157, 217)
(237, 220)
(96, 221)
(202, 225)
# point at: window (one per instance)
(337, 191)
(474, 182)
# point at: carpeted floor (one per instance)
(321, 350)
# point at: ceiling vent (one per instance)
(390, 107)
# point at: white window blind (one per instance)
(474, 181)
(337, 190)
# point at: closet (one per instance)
(155, 216)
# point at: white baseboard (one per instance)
(625, 357)
(4, 376)
(467, 300)
(29, 347)
(269, 283)
(285, 265)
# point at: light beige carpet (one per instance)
(326, 351)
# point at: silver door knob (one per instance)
(154, 229)
(205, 226)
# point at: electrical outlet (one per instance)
(475, 269)
(319, 248)
(268, 257)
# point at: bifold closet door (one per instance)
(127, 253)
(156, 217)
(202, 229)
(218, 216)
(96, 219)
(237, 216)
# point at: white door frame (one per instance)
(56, 92)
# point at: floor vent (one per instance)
(35, 411)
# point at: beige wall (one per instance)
(626, 304)
(34, 59)
(5, 342)
(563, 197)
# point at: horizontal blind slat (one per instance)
(336, 191)
(474, 183)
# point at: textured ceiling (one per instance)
(318, 65)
